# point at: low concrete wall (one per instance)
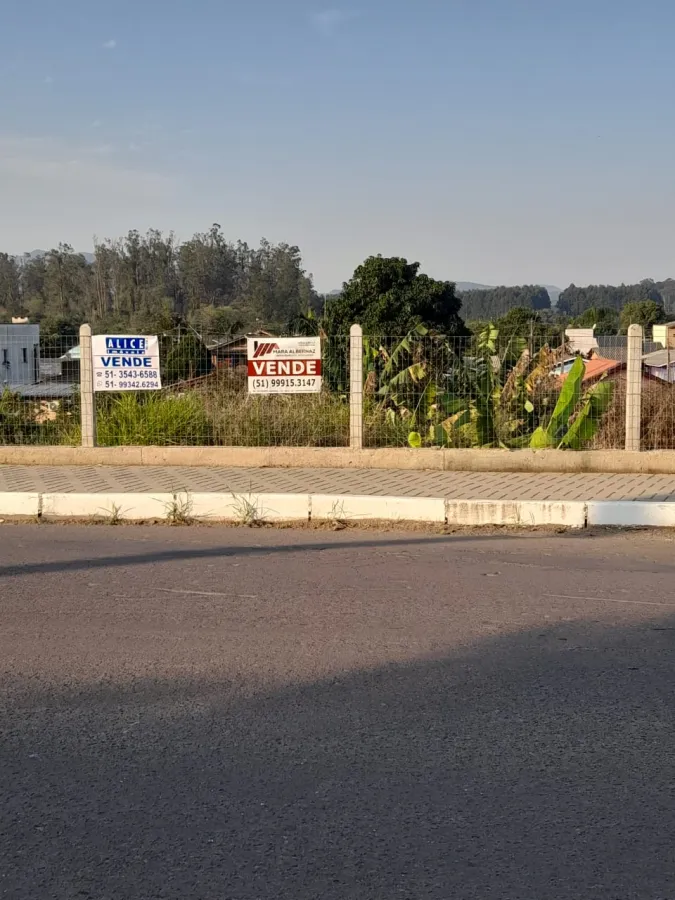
(654, 462)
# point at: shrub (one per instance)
(186, 359)
(34, 422)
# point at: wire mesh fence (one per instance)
(551, 389)
(39, 387)
(487, 390)
(657, 409)
(541, 390)
(204, 401)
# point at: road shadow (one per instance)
(537, 765)
(331, 542)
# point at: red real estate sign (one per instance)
(284, 365)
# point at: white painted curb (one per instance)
(249, 508)
(344, 507)
(279, 507)
(134, 507)
(16, 503)
(630, 514)
(523, 513)
(123, 506)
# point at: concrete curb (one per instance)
(648, 462)
(630, 514)
(257, 508)
(525, 513)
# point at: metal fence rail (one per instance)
(415, 390)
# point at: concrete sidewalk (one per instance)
(263, 494)
(509, 486)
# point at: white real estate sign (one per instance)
(126, 362)
(284, 365)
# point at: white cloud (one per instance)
(328, 21)
(110, 45)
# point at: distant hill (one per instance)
(574, 301)
(465, 286)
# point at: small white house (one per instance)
(19, 354)
(660, 364)
(664, 335)
(581, 340)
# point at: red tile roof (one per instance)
(597, 367)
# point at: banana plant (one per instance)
(410, 388)
(437, 391)
(478, 379)
(565, 429)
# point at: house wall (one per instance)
(19, 354)
(581, 340)
(664, 335)
(664, 373)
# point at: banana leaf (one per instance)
(585, 426)
(567, 401)
(405, 346)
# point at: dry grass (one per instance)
(235, 418)
(657, 420)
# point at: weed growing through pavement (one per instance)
(114, 514)
(179, 509)
(247, 510)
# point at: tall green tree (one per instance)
(10, 285)
(645, 313)
(524, 328)
(603, 319)
(65, 282)
(187, 358)
(389, 296)
(207, 267)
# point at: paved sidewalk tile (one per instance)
(377, 482)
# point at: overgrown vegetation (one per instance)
(139, 419)
(25, 421)
(657, 417)
(577, 416)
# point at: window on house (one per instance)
(24, 352)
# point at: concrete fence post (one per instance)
(634, 387)
(356, 387)
(87, 405)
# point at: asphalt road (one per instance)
(221, 713)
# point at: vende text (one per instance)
(275, 367)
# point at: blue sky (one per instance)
(500, 141)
